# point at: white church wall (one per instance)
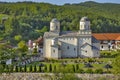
(54, 52)
(68, 46)
(47, 49)
(96, 52)
(82, 41)
(86, 51)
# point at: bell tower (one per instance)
(54, 25)
(84, 23)
(84, 26)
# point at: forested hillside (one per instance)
(29, 20)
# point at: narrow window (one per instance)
(74, 49)
(101, 46)
(68, 47)
(53, 51)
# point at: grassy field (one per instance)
(72, 65)
(69, 65)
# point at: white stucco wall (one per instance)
(86, 51)
(54, 52)
(105, 47)
(96, 53)
(83, 40)
(47, 47)
(68, 46)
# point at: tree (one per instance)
(50, 68)
(35, 50)
(88, 65)
(30, 68)
(1, 68)
(25, 68)
(18, 37)
(16, 68)
(5, 53)
(40, 69)
(20, 69)
(22, 46)
(35, 68)
(116, 64)
(77, 67)
(107, 66)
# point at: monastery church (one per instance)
(69, 44)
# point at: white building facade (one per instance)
(68, 44)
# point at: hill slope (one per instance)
(30, 20)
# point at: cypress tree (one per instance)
(40, 69)
(77, 67)
(35, 68)
(16, 69)
(45, 68)
(54, 68)
(73, 68)
(30, 68)
(25, 69)
(20, 69)
(50, 68)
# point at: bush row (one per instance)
(52, 69)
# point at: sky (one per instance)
(61, 2)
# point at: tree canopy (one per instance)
(30, 20)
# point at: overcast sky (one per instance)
(61, 2)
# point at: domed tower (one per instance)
(84, 23)
(54, 25)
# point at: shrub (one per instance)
(54, 68)
(90, 60)
(89, 71)
(74, 68)
(80, 71)
(99, 71)
(30, 68)
(46, 68)
(11, 68)
(1, 68)
(77, 67)
(16, 68)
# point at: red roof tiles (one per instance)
(107, 36)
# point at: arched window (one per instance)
(67, 47)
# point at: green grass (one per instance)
(69, 65)
(3, 15)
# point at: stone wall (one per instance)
(51, 76)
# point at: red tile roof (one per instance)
(107, 36)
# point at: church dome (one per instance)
(54, 20)
(84, 19)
